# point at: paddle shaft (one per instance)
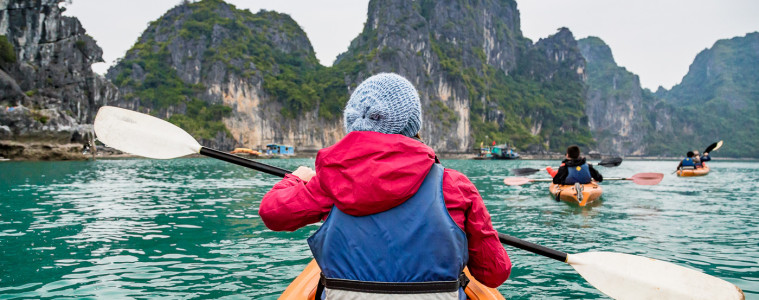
(616, 178)
(534, 248)
(269, 169)
(541, 180)
(231, 158)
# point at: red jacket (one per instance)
(369, 172)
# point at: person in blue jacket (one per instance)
(700, 159)
(574, 169)
(687, 161)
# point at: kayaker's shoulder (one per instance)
(453, 179)
(455, 176)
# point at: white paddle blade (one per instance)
(141, 134)
(625, 276)
(719, 145)
(515, 180)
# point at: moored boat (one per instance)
(504, 152)
(304, 286)
(590, 193)
(693, 172)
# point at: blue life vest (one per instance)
(414, 242)
(688, 162)
(579, 174)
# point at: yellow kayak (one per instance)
(304, 286)
(590, 192)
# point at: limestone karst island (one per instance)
(444, 154)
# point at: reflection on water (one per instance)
(189, 227)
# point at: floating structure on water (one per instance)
(275, 150)
(271, 151)
(503, 151)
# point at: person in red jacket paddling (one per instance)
(391, 212)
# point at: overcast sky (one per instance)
(656, 39)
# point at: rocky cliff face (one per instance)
(717, 100)
(234, 78)
(478, 77)
(208, 61)
(258, 73)
(550, 76)
(614, 102)
(48, 92)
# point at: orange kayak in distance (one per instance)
(590, 193)
(304, 286)
(694, 172)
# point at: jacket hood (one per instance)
(574, 162)
(369, 172)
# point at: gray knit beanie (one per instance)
(386, 103)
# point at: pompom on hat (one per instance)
(386, 103)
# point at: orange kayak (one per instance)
(590, 192)
(304, 286)
(694, 172)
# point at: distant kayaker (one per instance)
(575, 169)
(688, 161)
(699, 160)
(395, 214)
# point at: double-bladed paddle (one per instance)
(606, 162)
(617, 275)
(640, 178)
(713, 147)
(710, 148)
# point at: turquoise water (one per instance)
(189, 228)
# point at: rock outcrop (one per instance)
(259, 74)
(234, 78)
(479, 79)
(256, 71)
(48, 92)
(614, 102)
(717, 100)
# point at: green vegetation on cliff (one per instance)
(614, 101)
(516, 92)
(530, 95)
(552, 107)
(217, 38)
(7, 54)
(717, 100)
(161, 88)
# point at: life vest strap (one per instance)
(394, 287)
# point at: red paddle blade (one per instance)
(647, 178)
(516, 180)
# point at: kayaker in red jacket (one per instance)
(377, 167)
